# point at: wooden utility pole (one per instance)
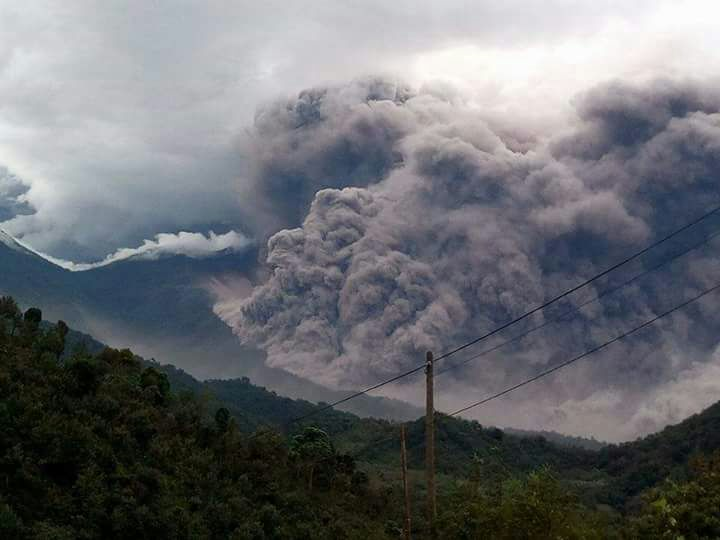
(430, 444)
(406, 488)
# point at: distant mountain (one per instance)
(643, 463)
(162, 309)
(614, 475)
(560, 438)
(159, 307)
(34, 281)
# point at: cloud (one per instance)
(12, 196)
(325, 137)
(189, 244)
(467, 229)
(688, 392)
(126, 120)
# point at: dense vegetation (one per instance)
(97, 446)
(642, 464)
(97, 443)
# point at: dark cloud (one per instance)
(616, 117)
(124, 116)
(466, 230)
(13, 193)
(326, 137)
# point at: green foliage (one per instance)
(640, 465)
(310, 449)
(535, 506)
(98, 443)
(254, 406)
(10, 524)
(97, 446)
(222, 419)
(32, 319)
(10, 316)
(682, 510)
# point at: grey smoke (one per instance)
(326, 137)
(463, 228)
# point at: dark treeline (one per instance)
(96, 443)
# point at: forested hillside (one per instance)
(98, 446)
(613, 474)
(97, 443)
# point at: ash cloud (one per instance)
(323, 138)
(460, 229)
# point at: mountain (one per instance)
(560, 438)
(638, 465)
(612, 475)
(461, 443)
(128, 440)
(163, 309)
(35, 281)
(609, 474)
(99, 446)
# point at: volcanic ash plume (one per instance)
(430, 224)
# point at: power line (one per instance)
(577, 308)
(363, 449)
(358, 394)
(581, 285)
(586, 353)
(514, 321)
(373, 444)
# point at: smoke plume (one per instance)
(429, 224)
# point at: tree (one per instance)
(54, 341)
(685, 510)
(96, 446)
(32, 319)
(311, 448)
(153, 379)
(536, 506)
(10, 315)
(222, 419)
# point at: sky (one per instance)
(125, 119)
(344, 134)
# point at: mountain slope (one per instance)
(97, 446)
(460, 442)
(104, 445)
(638, 465)
(36, 281)
(614, 474)
(162, 309)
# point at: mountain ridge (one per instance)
(163, 309)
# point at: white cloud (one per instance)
(194, 245)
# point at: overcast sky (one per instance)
(123, 117)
